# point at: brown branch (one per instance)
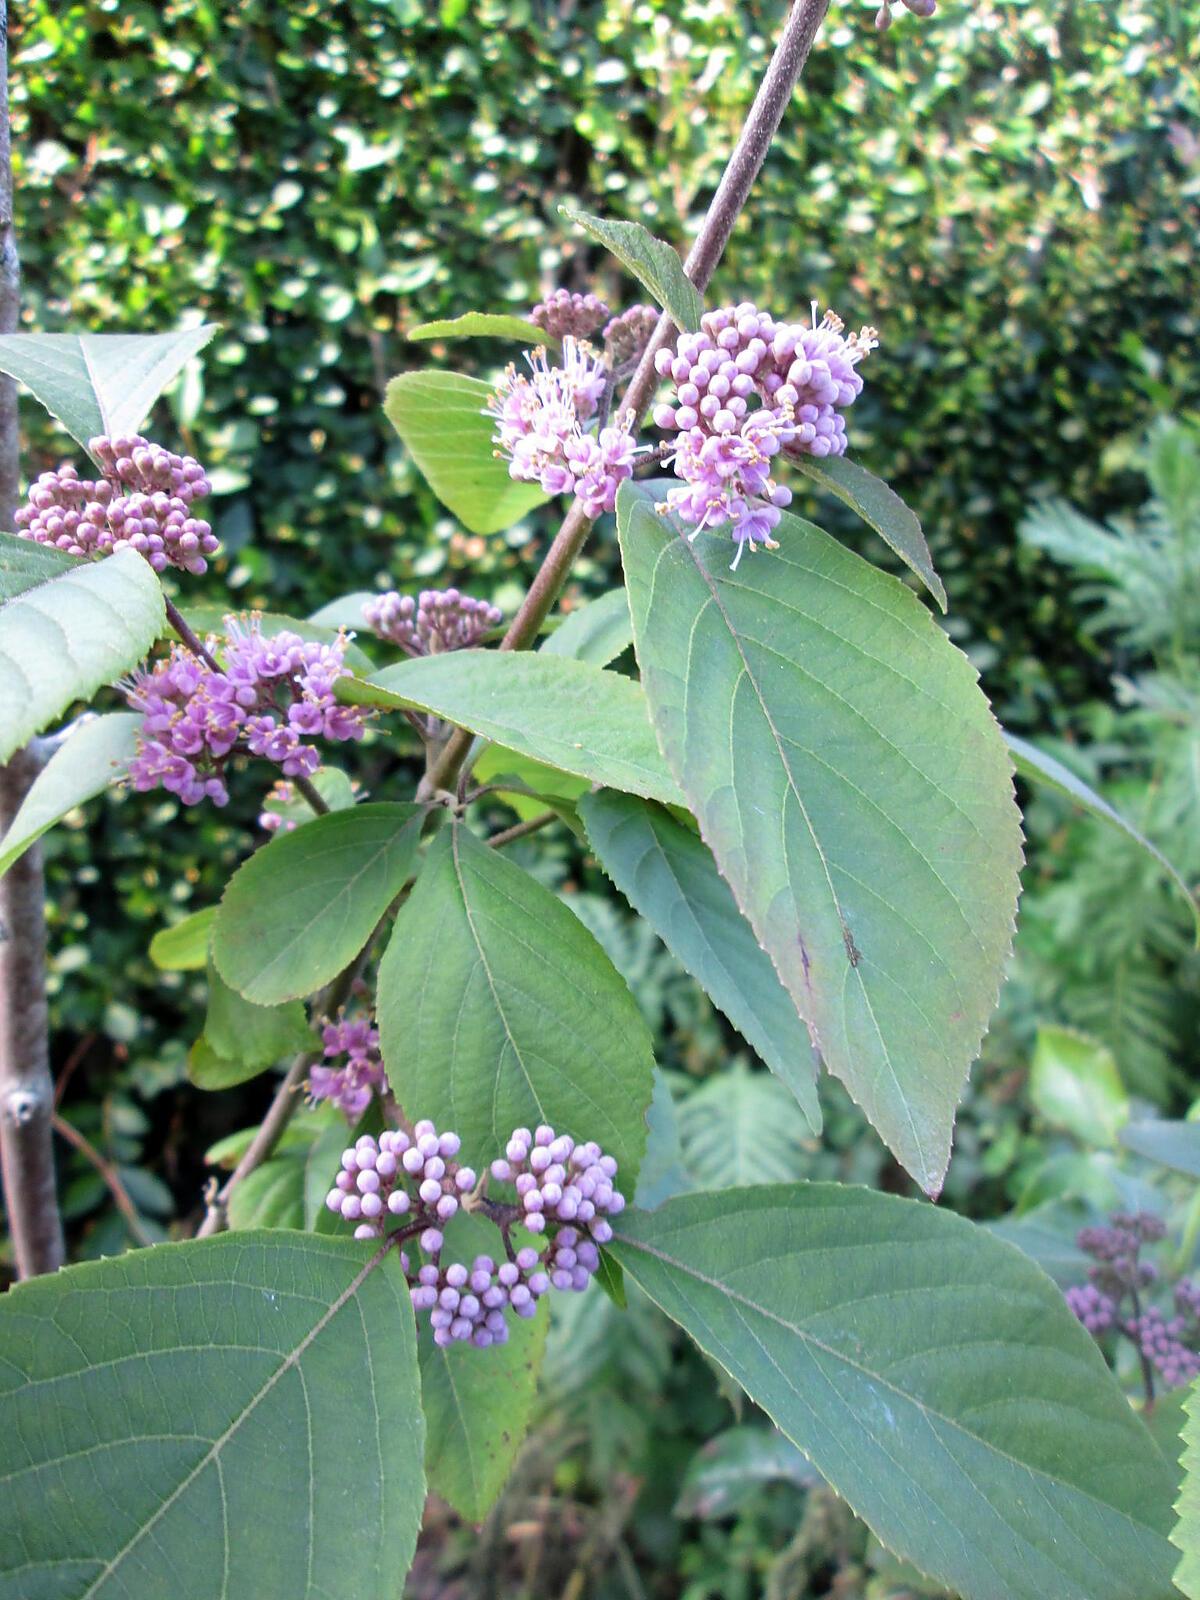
(26, 1087)
(190, 637)
(112, 1178)
(760, 127)
(522, 829)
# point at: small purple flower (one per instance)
(540, 428)
(352, 1070)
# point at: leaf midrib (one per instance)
(876, 1377)
(927, 1171)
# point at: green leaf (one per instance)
(272, 1196)
(597, 633)
(497, 1009)
(99, 382)
(880, 508)
(322, 1162)
(1038, 767)
(550, 786)
(344, 612)
(564, 713)
(483, 325)
(652, 262)
(61, 639)
(732, 1468)
(304, 905)
(741, 1127)
(669, 876)
(932, 1375)
(94, 756)
(211, 619)
(662, 1174)
(478, 1403)
(240, 1040)
(1171, 1144)
(440, 418)
(848, 777)
(24, 564)
(1186, 1533)
(1075, 1084)
(196, 1419)
(183, 947)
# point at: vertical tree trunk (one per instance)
(26, 1088)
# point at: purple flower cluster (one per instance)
(142, 502)
(417, 1178)
(626, 336)
(540, 428)
(438, 620)
(564, 315)
(1110, 1302)
(353, 1068)
(1159, 1340)
(745, 389)
(269, 697)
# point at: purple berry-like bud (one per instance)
(372, 1205)
(446, 1207)
(398, 1202)
(501, 1171)
(334, 1199)
(366, 1230)
(431, 1241)
(464, 1179)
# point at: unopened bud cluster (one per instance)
(142, 502)
(564, 1190)
(564, 315)
(1111, 1301)
(269, 697)
(352, 1069)
(437, 620)
(626, 336)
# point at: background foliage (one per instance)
(1009, 192)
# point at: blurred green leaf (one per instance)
(1075, 1084)
(482, 325)
(183, 947)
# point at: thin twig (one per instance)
(759, 129)
(189, 637)
(522, 829)
(312, 795)
(112, 1178)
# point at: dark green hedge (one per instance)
(1008, 192)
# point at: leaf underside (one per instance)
(932, 1375)
(195, 1420)
(849, 778)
